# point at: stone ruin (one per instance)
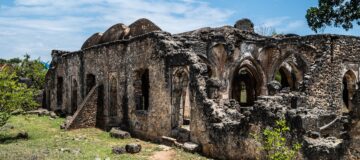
(213, 87)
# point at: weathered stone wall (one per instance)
(211, 60)
(85, 116)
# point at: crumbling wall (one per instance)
(139, 66)
(85, 116)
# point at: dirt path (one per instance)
(163, 155)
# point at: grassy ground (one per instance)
(47, 141)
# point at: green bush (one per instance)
(275, 143)
(14, 95)
(32, 69)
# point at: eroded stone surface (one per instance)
(118, 150)
(133, 148)
(222, 84)
(118, 133)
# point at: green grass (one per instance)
(46, 141)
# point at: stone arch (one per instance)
(181, 107)
(348, 88)
(298, 56)
(292, 69)
(59, 91)
(284, 77)
(217, 60)
(247, 73)
(255, 69)
(290, 75)
(100, 121)
(142, 89)
(113, 104)
(74, 96)
(268, 56)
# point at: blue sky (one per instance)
(38, 26)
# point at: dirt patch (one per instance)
(163, 155)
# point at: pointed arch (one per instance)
(74, 96)
(113, 96)
(291, 70)
(181, 108)
(59, 91)
(246, 83)
(348, 88)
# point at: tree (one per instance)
(334, 13)
(13, 95)
(32, 69)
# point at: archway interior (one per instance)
(181, 111)
(289, 76)
(74, 96)
(349, 87)
(59, 91)
(100, 123)
(285, 77)
(113, 97)
(244, 87)
(142, 90)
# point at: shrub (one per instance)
(13, 95)
(275, 141)
(32, 69)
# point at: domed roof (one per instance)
(245, 25)
(142, 26)
(115, 32)
(92, 40)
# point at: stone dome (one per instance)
(92, 40)
(115, 32)
(142, 26)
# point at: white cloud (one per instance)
(38, 26)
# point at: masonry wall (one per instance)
(212, 58)
(120, 61)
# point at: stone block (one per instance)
(118, 150)
(118, 133)
(133, 148)
(168, 141)
(191, 147)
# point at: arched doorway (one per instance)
(289, 76)
(59, 91)
(74, 96)
(100, 123)
(113, 97)
(181, 109)
(245, 87)
(349, 87)
(286, 77)
(142, 90)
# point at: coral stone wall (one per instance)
(149, 77)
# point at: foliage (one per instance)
(275, 142)
(33, 70)
(334, 12)
(13, 95)
(10, 61)
(278, 76)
